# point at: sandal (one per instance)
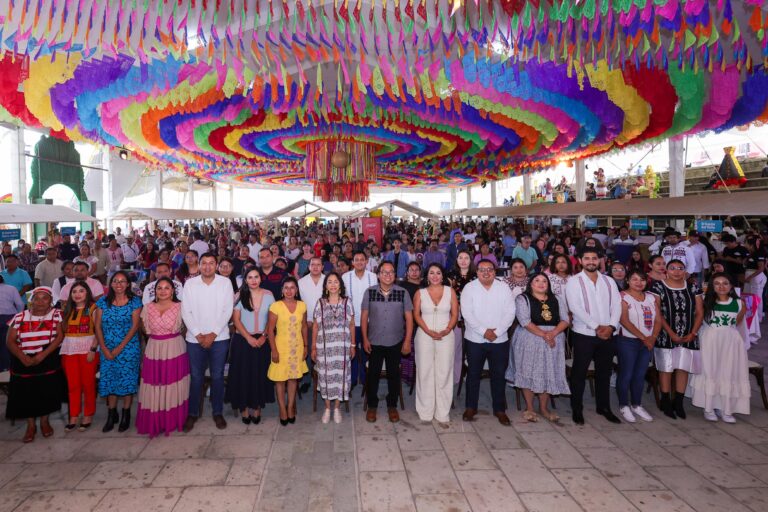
(29, 435)
(550, 416)
(46, 429)
(530, 416)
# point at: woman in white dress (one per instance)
(436, 311)
(722, 387)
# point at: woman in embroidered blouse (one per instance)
(287, 334)
(333, 345)
(35, 390)
(248, 388)
(164, 386)
(462, 273)
(559, 272)
(79, 356)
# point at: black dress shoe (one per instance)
(291, 420)
(578, 417)
(608, 414)
(246, 419)
(255, 419)
(283, 422)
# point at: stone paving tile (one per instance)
(554, 450)
(47, 450)
(714, 467)
(585, 436)
(744, 432)
(206, 427)
(429, 472)
(61, 501)
(229, 447)
(759, 471)
(176, 447)
(8, 447)
(11, 499)
(417, 436)
(756, 499)
(8, 472)
(496, 436)
(466, 451)
(127, 448)
(143, 500)
(729, 446)
(376, 492)
(246, 472)
(641, 449)
(488, 491)
(549, 502)
(620, 470)
(122, 474)
(49, 477)
(188, 472)
(697, 491)
(378, 453)
(205, 499)
(592, 491)
(525, 471)
(441, 503)
(657, 501)
(665, 434)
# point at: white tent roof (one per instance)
(294, 210)
(399, 204)
(176, 214)
(28, 213)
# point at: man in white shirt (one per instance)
(131, 252)
(80, 271)
(67, 276)
(700, 257)
(49, 269)
(595, 304)
(199, 246)
(254, 247)
(162, 269)
(488, 309)
(356, 281)
(677, 250)
(206, 308)
(311, 289)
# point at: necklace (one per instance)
(546, 314)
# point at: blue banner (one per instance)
(638, 223)
(709, 226)
(590, 223)
(6, 235)
(68, 231)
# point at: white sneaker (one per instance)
(337, 415)
(626, 413)
(710, 416)
(639, 411)
(327, 416)
(728, 418)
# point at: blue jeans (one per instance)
(358, 369)
(199, 360)
(497, 355)
(633, 359)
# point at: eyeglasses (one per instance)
(675, 268)
(120, 281)
(486, 270)
(386, 272)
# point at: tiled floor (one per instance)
(481, 466)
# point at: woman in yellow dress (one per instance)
(287, 334)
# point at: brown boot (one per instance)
(503, 418)
(469, 415)
(394, 417)
(370, 415)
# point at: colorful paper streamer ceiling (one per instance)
(448, 92)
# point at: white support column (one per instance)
(191, 194)
(677, 174)
(214, 199)
(107, 198)
(526, 189)
(581, 180)
(453, 199)
(493, 193)
(159, 191)
(232, 197)
(469, 197)
(19, 178)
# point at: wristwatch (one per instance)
(94, 349)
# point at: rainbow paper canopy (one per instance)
(448, 92)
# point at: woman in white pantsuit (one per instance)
(436, 311)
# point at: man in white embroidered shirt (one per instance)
(206, 308)
(356, 282)
(488, 308)
(595, 304)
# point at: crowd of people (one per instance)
(255, 314)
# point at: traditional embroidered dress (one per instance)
(333, 343)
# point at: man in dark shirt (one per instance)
(271, 277)
(68, 250)
(734, 255)
(453, 250)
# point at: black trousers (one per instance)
(586, 349)
(376, 359)
(497, 355)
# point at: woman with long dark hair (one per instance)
(248, 388)
(164, 387)
(560, 270)
(79, 355)
(190, 267)
(463, 272)
(117, 326)
(722, 388)
(539, 346)
(333, 344)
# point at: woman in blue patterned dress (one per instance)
(117, 324)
